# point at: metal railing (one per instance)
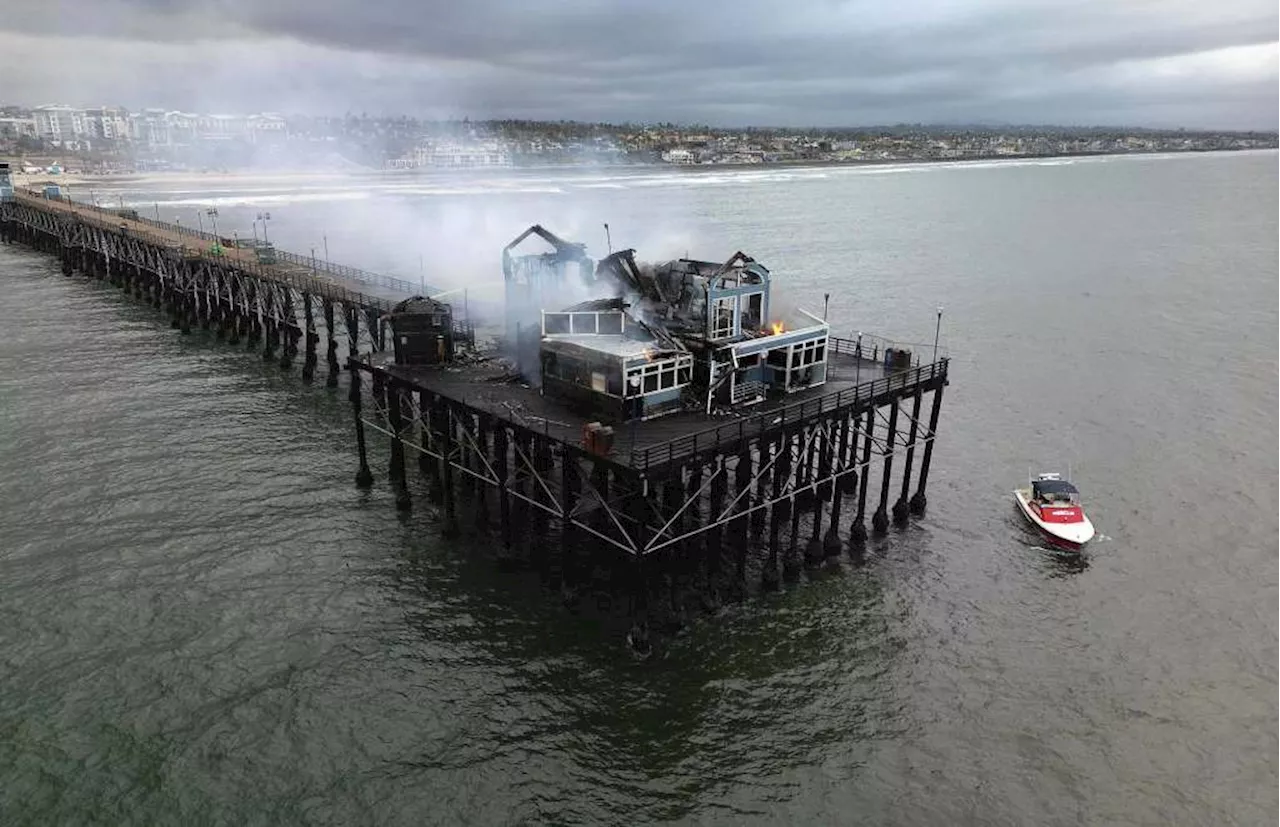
(734, 433)
(872, 348)
(305, 281)
(337, 271)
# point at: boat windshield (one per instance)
(1055, 491)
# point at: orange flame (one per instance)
(777, 328)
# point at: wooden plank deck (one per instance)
(489, 386)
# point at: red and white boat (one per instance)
(1052, 505)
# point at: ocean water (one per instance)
(203, 622)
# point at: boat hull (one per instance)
(1066, 535)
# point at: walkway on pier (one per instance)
(375, 290)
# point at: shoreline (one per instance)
(24, 179)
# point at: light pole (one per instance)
(200, 220)
(325, 236)
(936, 331)
(212, 212)
(264, 217)
(857, 370)
(826, 300)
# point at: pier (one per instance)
(285, 304)
(650, 501)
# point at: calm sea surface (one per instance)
(203, 622)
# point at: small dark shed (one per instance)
(422, 329)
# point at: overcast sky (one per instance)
(1186, 63)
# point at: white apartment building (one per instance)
(149, 127)
(109, 122)
(267, 126)
(11, 128)
(57, 123)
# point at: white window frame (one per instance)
(667, 372)
(807, 351)
(717, 332)
(584, 322)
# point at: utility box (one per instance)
(422, 331)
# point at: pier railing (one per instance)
(722, 437)
(872, 348)
(307, 281)
(327, 268)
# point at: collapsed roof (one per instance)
(673, 294)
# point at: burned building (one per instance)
(422, 331)
(534, 282)
(663, 337)
(598, 356)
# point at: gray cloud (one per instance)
(1088, 61)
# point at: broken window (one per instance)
(722, 321)
(752, 316)
(553, 323)
(610, 323)
(662, 375)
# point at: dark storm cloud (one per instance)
(826, 62)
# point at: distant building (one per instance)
(150, 127)
(221, 127)
(59, 124)
(678, 156)
(462, 156)
(265, 128)
(12, 128)
(108, 122)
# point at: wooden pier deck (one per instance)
(487, 384)
(321, 278)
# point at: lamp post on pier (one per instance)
(857, 365)
(212, 212)
(936, 331)
(264, 217)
